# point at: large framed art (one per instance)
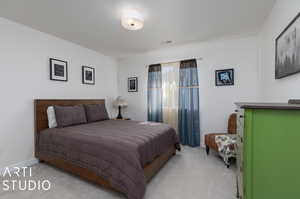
(287, 58)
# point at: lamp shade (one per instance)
(120, 102)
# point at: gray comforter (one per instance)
(116, 150)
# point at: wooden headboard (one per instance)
(41, 105)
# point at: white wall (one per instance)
(24, 69)
(283, 89)
(216, 103)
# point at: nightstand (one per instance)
(122, 119)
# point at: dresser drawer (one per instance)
(240, 194)
(240, 150)
(239, 173)
(240, 122)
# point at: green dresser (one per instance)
(268, 151)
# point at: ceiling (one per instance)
(96, 24)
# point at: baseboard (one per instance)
(26, 163)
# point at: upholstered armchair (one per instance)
(210, 142)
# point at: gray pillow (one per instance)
(69, 115)
(96, 112)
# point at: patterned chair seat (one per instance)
(210, 138)
(226, 147)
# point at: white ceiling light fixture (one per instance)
(132, 20)
(166, 42)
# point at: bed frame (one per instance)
(41, 123)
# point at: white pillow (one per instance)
(51, 117)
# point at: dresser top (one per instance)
(275, 106)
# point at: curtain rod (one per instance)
(170, 62)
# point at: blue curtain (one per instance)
(155, 93)
(188, 110)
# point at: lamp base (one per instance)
(119, 115)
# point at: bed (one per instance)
(119, 154)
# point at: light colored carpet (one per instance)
(191, 174)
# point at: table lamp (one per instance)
(120, 103)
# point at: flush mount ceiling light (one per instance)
(166, 42)
(132, 20)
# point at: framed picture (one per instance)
(132, 84)
(225, 77)
(88, 75)
(58, 70)
(287, 58)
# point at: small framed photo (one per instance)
(132, 84)
(88, 75)
(58, 70)
(225, 77)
